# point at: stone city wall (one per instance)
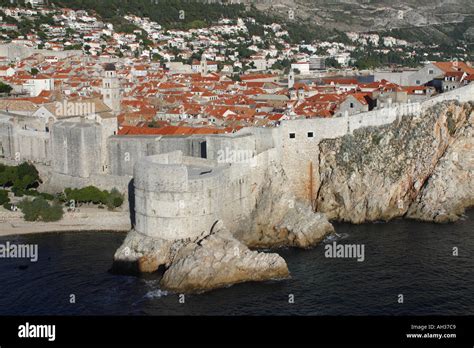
(14, 51)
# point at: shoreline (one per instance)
(88, 219)
(91, 219)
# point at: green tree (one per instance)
(39, 209)
(4, 88)
(4, 197)
(92, 194)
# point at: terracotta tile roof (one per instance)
(454, 66)
(340, 81)
(250, 77)
(363, 98)
(169, 130)
(412, 89)
(275, 117)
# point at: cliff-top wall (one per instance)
(300, 139)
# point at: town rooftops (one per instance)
(339, 81)
(454, 67)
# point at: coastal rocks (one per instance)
(450, 189)
(377, 173)
(285, 221)
(219, 260)
(148, 264)
(213, 260)
(142, 254)
(303, 228)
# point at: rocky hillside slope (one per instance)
(371, 15)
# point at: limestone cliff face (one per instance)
(279, 219)
(405, 168)
(450, 189)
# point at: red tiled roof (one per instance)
(454, 66)
(340, 81)
(169, 130)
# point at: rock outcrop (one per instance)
(219, 260)
(142, 254)
(378, 173)
(213, 260)
(280, 220)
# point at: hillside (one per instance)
(439, 21)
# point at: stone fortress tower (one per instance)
(77, 148)
(111, 88)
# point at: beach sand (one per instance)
(86, 219)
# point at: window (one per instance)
(431, 71)
(352, 105)
(292, 135)
(417, 82)
(310, 134)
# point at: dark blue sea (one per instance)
(402, 257)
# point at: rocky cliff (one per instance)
(420, 167)
(280, 220)
(450, 188)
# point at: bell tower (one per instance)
(291, 79)
(111, 88)
(203, 65)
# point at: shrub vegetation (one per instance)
(19, 178)
(39, 209)
(4, 197)
(92, 194)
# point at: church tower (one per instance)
(111, 88)
(291, 79)
(203, 65)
